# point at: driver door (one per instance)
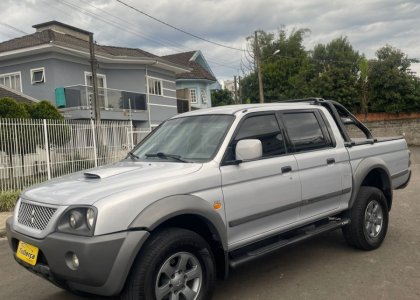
(261, 196)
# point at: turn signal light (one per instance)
(217, 205)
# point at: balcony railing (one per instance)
(81, 97)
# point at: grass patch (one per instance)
(8, 200)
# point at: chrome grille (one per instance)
(35, 216)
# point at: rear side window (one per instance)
(266, 129)
(304, 131)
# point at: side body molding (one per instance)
(177, 205)
(363, 169)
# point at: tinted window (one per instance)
(304, 131)
(266, 129)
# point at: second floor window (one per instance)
(101, 79)
(12, 81)
(37, 75)
(155, 86)
(193, 96)
(203, 96)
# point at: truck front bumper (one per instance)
(104, 261)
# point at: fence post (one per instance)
(47, 149)
(94, 142)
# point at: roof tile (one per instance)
(184, 58)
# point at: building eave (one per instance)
(196, 79)
(82, 52)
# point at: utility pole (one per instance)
(240, 89)
(93, 65)
(235, 90)
(257, 60)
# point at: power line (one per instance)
(13, 28)
(122, 27)
(178, 29)
(160, 41)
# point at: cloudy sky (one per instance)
(369, 24)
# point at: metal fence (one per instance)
(32, 151)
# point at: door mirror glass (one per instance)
(249, 149)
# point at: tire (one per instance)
(369, 220)
(174, 261)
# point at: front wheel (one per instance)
(369, 220)
(175, 264)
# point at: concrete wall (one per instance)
(409, 128)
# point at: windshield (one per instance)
(191, 139)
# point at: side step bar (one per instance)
(304, 233)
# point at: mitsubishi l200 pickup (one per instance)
(205, 192)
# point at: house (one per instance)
(198, 82)
(54, 64)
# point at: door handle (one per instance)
(330, 161)
(286, 169)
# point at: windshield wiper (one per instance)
(133, 156)
(165, 155)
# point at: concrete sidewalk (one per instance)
(3, 217)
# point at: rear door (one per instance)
(260, 196)
(321, 164)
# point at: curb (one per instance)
(3, 217)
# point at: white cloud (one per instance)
(369, 24)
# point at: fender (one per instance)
(172, 206)
(363, 169)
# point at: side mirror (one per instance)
(248, 150)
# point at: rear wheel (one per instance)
(369, 220)
(175, 264)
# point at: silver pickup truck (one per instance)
(207, 191)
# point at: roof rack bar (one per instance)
(315, 100)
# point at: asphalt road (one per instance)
(322, 268)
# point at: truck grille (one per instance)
(35, 216)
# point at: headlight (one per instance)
(78, 220)
(75, 219)
(90, 217)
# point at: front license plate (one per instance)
(27, 253)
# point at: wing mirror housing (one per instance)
(250, 149)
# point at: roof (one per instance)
(18, 96)
(188, 59)
(51, 23)
(50, 36)
(233, 109)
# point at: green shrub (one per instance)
(8, 200)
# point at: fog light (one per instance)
(72, 261)
(75, 260)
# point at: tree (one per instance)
(11, 139)
(337, 69)
(44, 110)
(9, 108)
(14, 134)
(249, 65)
(393, 87)
(221, 97)
(363, 84)
(286, 66)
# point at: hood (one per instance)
(89, 186)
